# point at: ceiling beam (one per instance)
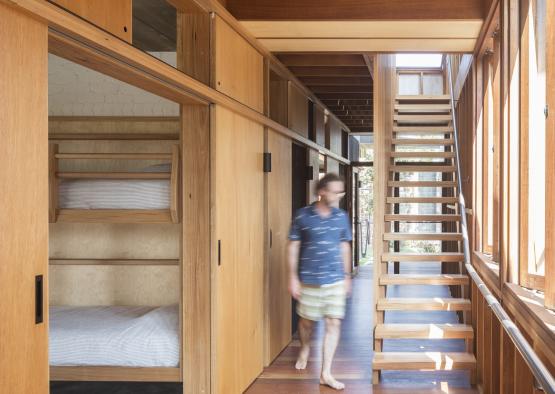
(355, 9)
(341, 89)
(329, 71)
(309, 60)
(336, 81)
(342, 96)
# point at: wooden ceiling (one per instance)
(363, 25)
(343, 82)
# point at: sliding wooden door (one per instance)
(278, 300)
(238, 189)
(24, 204)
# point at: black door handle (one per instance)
(39, 299)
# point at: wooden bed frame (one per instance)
(56, 214)
(116, 374)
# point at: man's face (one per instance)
(332, 194)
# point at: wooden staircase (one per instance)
(422, 156)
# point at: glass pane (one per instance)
(432, 84)
(536, 142)
(409, 84)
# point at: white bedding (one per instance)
(114, 336)
(114, 194)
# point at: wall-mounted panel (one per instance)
(278, 98)
(332, 165)
(297, 110)
(238, 66)
(113, 16)
(333, 135)
(319, 125)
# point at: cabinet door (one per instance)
(278, 300)
(238, 187)
(23, 203)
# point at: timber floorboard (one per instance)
(352, 363)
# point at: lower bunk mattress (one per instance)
(124, 336)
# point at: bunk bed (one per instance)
(115, 342)
(148, 196)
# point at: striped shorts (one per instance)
(317, 302)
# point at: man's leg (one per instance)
(305, 331)
(331, 339)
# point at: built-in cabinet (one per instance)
(238, 255)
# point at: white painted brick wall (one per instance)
(74, 90)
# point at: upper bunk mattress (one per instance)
(114, 336)
(114, 194)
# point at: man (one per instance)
(319, 255)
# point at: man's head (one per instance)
(330, 189)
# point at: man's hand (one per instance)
(348, 285)
(295, 287)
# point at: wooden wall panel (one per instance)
(238, 67)
(195, 251)
(297, 110)
(278, 299)
(238, 187)
(333, 135)
(193, 42)
(320, 125)
(278, 99)
(113, 16)
(24, 202)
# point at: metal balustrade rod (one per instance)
(539, 370)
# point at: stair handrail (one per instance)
(538, 368)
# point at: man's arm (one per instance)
(346, 253)
(293, 261)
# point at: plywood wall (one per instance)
(238, 66)
(333, 135)
(319, 125)
(113, 16)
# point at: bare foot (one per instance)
(303, 358)
(329, 380)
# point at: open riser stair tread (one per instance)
(424, 331)
(420, 200)
(449, 184)
(423, 304)
(422, 237)
(421, 279)
(434, 361)
(421, 168)
(423, 155)
(422, 141)
(434, 218)
(424, 257)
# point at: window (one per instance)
(533, 144)
(489, 151)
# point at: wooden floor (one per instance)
(352, 363)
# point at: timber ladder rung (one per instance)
(418, 217)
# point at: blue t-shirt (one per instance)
(320, 260)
